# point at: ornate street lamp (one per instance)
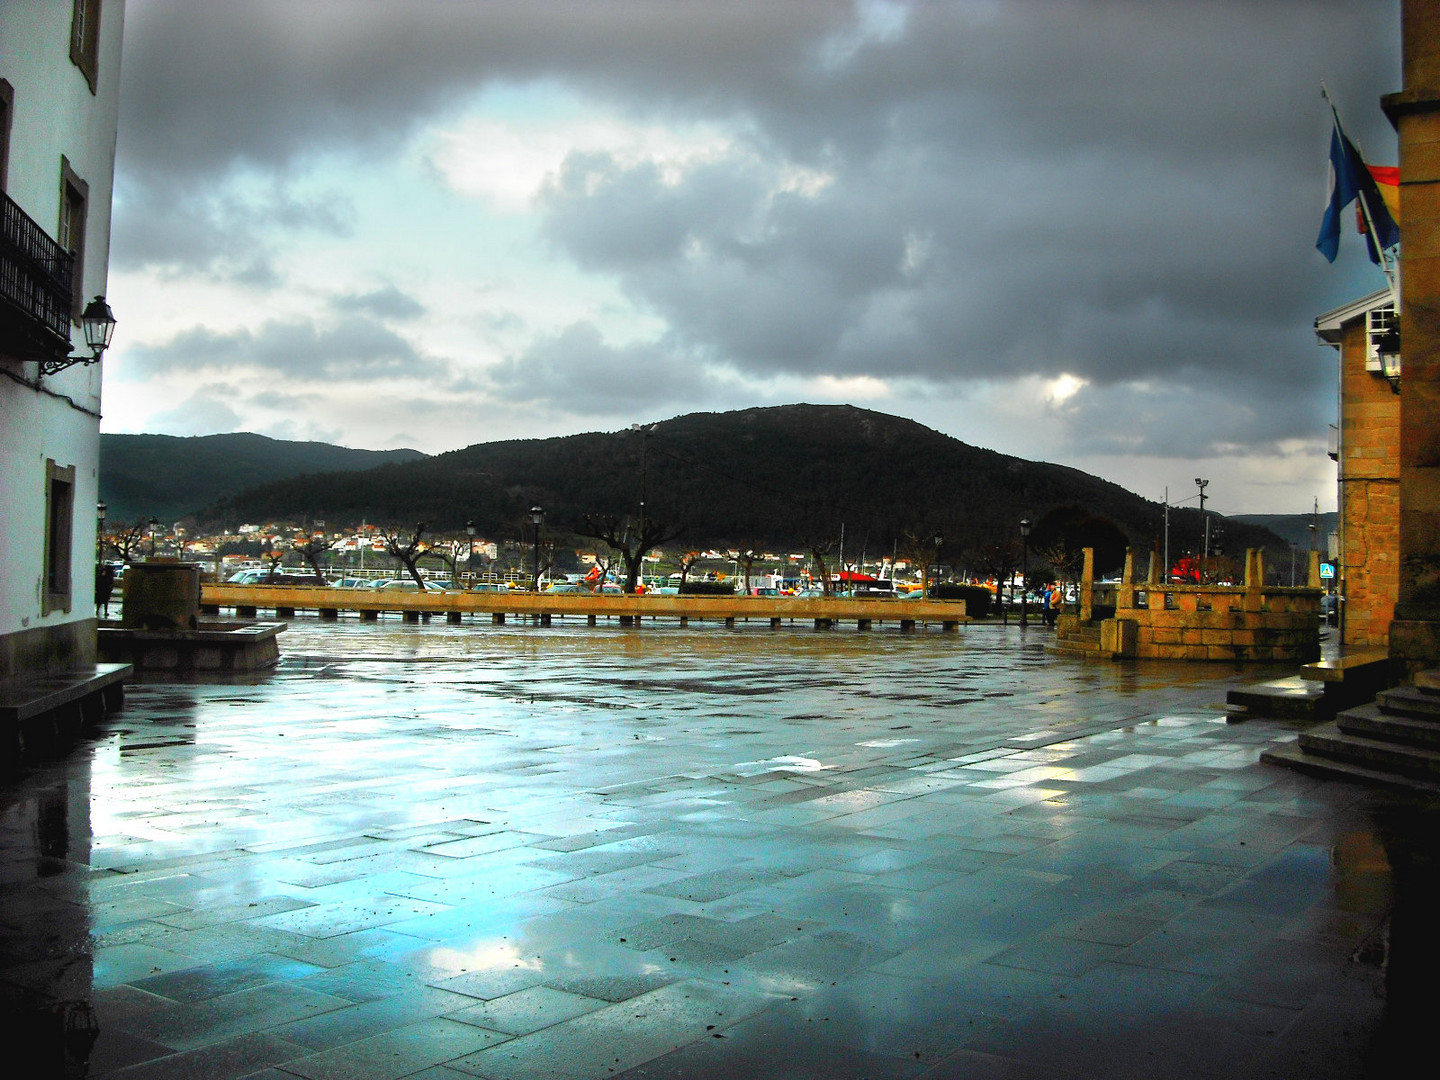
(1024, 570)
(470, 532)
(97, 322)
(154, 526)
(100, 511)
(1387, 347)
(537, 518)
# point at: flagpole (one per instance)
(1387, 266)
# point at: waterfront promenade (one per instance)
(821, 611)
(453, 852)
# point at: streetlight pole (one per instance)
(470, 560)
(100, 511)
(154, 525)
(1205, 549)
(537, 518)
(1024, 571)
(938, 540)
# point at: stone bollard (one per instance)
(1125, 594)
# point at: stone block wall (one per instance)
(1202, 622)
(1369, 495)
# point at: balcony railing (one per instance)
(35, 282)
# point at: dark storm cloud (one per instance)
(1125, 191)
(222, 228)
(355, 348)
(577, 370)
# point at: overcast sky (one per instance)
(1078, 232)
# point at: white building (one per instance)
(59, 91)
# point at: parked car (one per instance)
(408, 585)
(490, 586)
(265, 577)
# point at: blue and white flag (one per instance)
(1350, 179)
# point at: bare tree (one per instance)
(604, 561)
(818, 550)
(747, 560)
(1067, 563)
(922, 552)
(273, 555)
(405, 548)
(449, 555)
(314, 546)
(631, 545)
(998, 560)
(687, 563)
(127, 543)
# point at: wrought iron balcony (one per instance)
(35, 287)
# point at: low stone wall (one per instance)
(215, 648)
(1158, 621)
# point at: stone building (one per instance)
(1415, 112)
(1367, 452)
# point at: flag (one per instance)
(1387, 180)
(1351, 178)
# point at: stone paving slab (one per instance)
(514, 852)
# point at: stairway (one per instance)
(1393, 741)
(1083, 639)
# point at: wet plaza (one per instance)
(519, 852)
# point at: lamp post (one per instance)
(1024, 570)
(537, 518)
(1205, 548)
(470, 561)
(934, 568)
(154, 525)
(100, 510)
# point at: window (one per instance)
(85, 38)
(74, 196)
(1378, 323)
(7, 110)
(59, 519)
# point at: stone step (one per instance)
(1078, 648)
(1428, 680)
(1289, 697)
(1409, 701)
(1327, 740)
(1375, 722)
(1291, 756)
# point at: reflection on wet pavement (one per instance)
(465, 851)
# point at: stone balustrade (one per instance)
(1152, 619)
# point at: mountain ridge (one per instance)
(780, 476)
(169, 476)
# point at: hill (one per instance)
(1295, 528)
(774, 477)
(168, 477)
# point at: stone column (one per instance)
(1415, 112)
(1125, 594)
